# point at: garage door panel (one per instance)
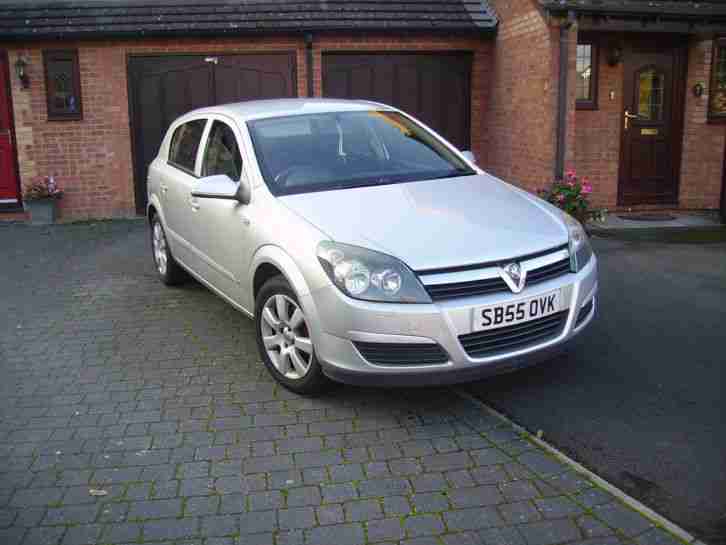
(164, 87)
(435, 87)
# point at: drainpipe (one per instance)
(562, 97)
(309, 62)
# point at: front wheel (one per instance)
(284, 340)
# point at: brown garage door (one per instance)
(164, 87)
(433, 87)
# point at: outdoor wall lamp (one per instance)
(22, 73)
(615, 55)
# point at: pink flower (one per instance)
(570, 175)
(586, 188)
(560, 197)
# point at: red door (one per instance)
(9, 187)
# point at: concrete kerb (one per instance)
(621, 496)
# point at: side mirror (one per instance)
(221, 186)
(469, 156)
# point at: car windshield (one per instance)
(337, 150)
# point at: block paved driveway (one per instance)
(156, 398)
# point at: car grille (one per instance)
(487, 343)
(442, 292)
(402, 353)
(584, 313)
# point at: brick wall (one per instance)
(703, 143)
(520, 120)
(597, 142)
(92, 157)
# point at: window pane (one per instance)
(650, 95)
(584, 72)
(718, 85)
(185, 143)
(222, 154)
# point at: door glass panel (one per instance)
(222, 155)
(650, 95)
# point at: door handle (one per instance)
(627, 117)
(164, 188)
(194, 203)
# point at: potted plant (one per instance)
(41, 200)
(571, 195)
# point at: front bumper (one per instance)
(337, 321)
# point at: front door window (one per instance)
(650, 94)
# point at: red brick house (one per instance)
(87, 87)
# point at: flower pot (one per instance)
(42, 211)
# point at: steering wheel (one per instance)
(305, 172)
(282, 176)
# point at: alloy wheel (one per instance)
(159, 243)
(286, 336)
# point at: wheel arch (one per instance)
(269, 261)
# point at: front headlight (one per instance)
(580, 249)
(370, 276)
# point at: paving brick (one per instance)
(45, 535)
(519, 512)
(549, 531)
(222, 525)
(475, 496)
(71, 514)
(346, 473)
(396, 506)
(336, 493)
(296, 518)
(519, 490)
(330, 514)
(306, 495)
(430, 502)
(287, 478)
(142, 510)
(429, 482)
(423, 525)
(591, 527)
(262, 501)
(258, 522)
(501, 536)
(446, 462)
(81, 535)
(341, 534)
(385, 529)
(558, 507)
(383, 487)
(171, 529)
(357, 511)
(618, 516)
(473, 518)
(127, 532)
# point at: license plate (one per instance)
(516, 312)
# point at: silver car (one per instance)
(367, 248)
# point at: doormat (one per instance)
(648, 217)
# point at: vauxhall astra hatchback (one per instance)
(366, 248)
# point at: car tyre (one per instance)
(169, 271)
(284, 340)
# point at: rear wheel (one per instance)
(170, 272)
(284, 340)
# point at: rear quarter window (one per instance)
(185, 144)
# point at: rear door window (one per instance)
(185, 144)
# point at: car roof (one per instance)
(260, 109)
